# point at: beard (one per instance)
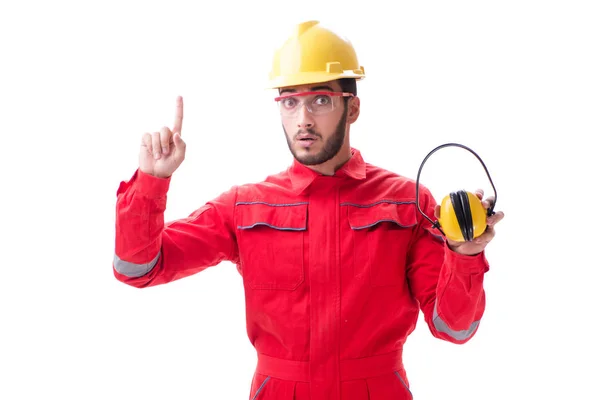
(330, 149)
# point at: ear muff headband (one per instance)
(462, 206)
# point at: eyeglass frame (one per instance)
(321, 92)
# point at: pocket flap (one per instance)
(286, 217)
(367, 216)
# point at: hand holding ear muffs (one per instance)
(462, 216)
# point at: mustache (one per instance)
(309, 131)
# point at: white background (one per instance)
(517, 81)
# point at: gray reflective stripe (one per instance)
(441, 326)
(261, 387)
(247, 203)
(281, 228)
(404, 383)
(377, 202)
(381, 220)
(132, 270)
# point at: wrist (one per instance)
(154, 174)
(459, 249)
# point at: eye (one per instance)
(290, 102)
(322, 100)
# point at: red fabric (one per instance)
(335, 270)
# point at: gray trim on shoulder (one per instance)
(132, 270)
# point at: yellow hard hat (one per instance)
(313, 54)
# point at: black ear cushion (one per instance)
(468, 229)
(462, 209)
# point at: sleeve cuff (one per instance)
(462, 263)
(150, 186)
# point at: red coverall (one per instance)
(335, 269)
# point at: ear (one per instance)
(353, 109)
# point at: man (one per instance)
(336, 260)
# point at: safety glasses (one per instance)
(317, 103)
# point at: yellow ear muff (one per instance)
(462, 217)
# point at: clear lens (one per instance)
(318, 104)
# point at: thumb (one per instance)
(179, 144)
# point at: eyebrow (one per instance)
(312, 89)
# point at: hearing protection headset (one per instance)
(462, 216)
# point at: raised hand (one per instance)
(162, 152)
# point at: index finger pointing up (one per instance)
(178, 115)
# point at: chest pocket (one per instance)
(271, 242)
(381, 234)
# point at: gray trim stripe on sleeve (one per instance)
(441, 326)
(132, 270)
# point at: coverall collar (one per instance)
(301, 176)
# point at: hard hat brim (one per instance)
(308, 78)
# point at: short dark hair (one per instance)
(348, 85)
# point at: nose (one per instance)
(305, 118)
